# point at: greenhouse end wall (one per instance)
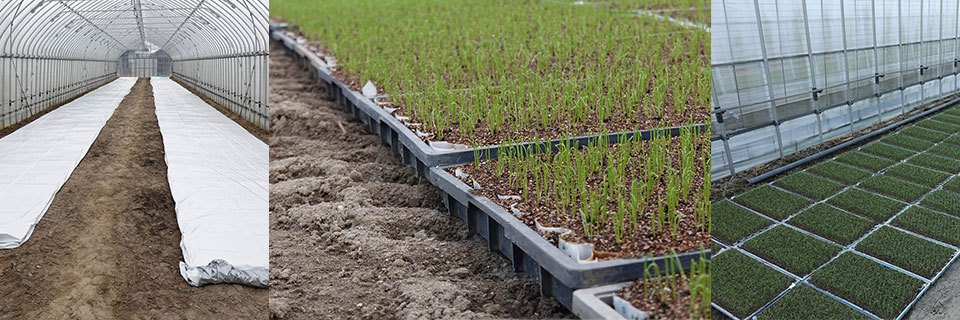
(788, 75)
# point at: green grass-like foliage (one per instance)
(948, 150)
(612, 188)
(839, 172)
(471, 67)
(935, 162)
(944, 127)
(906, 141)
(734, 223)
(743, 284)
(943, 201)
(918, 175)
(916, 255)
(791, 250)
(953, 184)
(894, 188)
(809, 185)
(925, 134)
(931, 224)
(944, 117)
(866, 204)
(772, 202)
(880, 290)
(863, 160)
(887, 151)
(832, 223)
(804, 302)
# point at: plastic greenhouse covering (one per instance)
(53, 50)
(792, 74)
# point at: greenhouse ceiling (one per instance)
(105, 29)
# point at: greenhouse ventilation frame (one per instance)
(54, 50)
(822, 70)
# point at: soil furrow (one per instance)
(355, 234)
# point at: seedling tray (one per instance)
(411, 148)
(558, 274)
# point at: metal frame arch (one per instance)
(53, 50)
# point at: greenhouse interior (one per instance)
(836, 154)
(132, 151)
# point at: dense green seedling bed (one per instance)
(918, 175)
(954, 140)
(863, 160)
(894, 188)
(943, 201)
(944, 117)
(953, 184)
(772, 202)
(866, 204)
(953, 111)
(936, 162)
(633, 198)
(913, 254)
(799, 302)
(951, 151)
(878, 289)
(484, 72)
(832, 223)
(925, 134)
(839, 172)
(742, 284)
(809, 185)
(906, 141)
(944, 127)
(734, 222)
(791, 250)
(887, 151)
(931, 224)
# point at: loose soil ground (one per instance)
(355, 233)
(109, 245)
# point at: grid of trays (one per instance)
(861, 235)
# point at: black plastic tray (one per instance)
(558, 274)
(412, 149)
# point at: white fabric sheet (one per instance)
(218, 175)
(37, 159)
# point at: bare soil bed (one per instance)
(356, 234)
(109, 245)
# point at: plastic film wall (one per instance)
(792, 74)
(54, 50)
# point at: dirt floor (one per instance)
(942, 300)
(355, 234)
(109, 245)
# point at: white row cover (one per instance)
(36, 160)
(218, 175)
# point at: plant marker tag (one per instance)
(582, 252)
(627, 310)
(516, 212)
(476, 185)
(541, 228)
(509, 197)
(403, 118)
(301, 40)
(443, 145)
(460, 174)
(388, 110)
(369, 90)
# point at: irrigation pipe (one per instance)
(844, 145)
